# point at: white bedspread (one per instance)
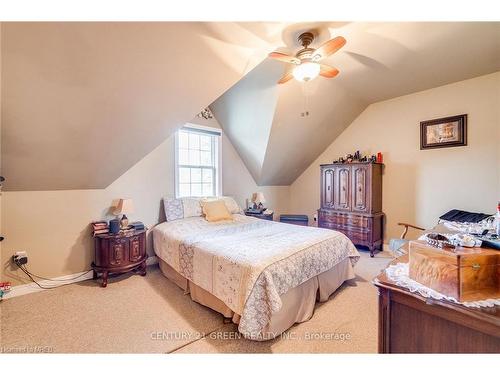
(248, 263)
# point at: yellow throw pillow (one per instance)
(215, 210)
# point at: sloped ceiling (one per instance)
(251, 108)
(379, 61)
(83, 102)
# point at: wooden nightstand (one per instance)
(119, 253)
(261, 216)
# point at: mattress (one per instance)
(248, 263)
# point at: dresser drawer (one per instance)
(345, 220)
(356, 237)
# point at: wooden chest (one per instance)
(465, 274)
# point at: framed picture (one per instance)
(443, 132)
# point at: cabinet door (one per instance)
(136, 249)
(360, 189)
(118, 252)
(342, 198)
(327, 187)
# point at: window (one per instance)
(197, 159)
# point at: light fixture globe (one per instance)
(306, 71)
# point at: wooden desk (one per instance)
(410, 323)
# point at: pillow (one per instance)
(215, 210)
(174, 209)
(231, 205)
(191, 206)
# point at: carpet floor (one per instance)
(150, 314)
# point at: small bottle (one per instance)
(497, 220)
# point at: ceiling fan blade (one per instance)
(329, 48)
(284, 57)
(328, 71)
(287, 77)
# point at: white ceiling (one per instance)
(379, 61)
(83, 102)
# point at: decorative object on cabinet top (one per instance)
(351, 202)
(258, 200)
(404, 315)
(124, 206)
(99, 227)
(122, 233)
(357, 158)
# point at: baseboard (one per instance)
(152, 260)
(20, 290)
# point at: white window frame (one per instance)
(217, 156)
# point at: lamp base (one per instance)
(124, 222)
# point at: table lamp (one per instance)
(124, 206)
(258, 200)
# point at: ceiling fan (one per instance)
(305, 64)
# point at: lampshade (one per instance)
(258, 198)
(124, 206)
(306, 71)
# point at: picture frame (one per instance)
(443, 132)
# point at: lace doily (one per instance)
(399, 273)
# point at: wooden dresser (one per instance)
(118, 253)
(411, 323)
(351, 202)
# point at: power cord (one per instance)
(30, 275)
(49, 279)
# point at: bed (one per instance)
(264, 276)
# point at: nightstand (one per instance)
(119, 253)
(261, 216)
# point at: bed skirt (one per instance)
(298, 303)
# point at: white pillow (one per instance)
(173, 209)
(192, 207)
(188, 207)
(231, 205)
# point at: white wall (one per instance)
(420, 185)
(53, 226)
(239, 183)
(237, 180)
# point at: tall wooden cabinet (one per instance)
(351, 202)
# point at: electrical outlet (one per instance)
(20, 257)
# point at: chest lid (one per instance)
(458, 257)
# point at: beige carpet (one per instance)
(150, 314)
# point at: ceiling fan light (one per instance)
(306, 71)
